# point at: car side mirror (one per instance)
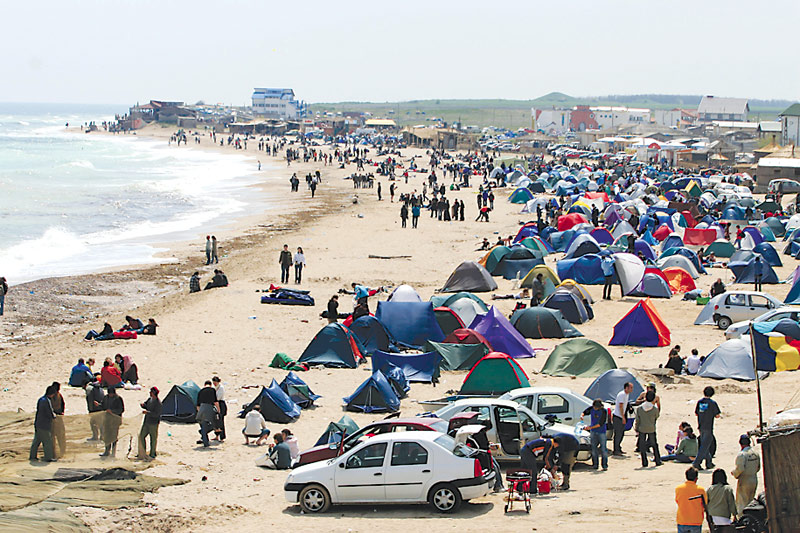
(341, 465)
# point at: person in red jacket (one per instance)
(109, 375)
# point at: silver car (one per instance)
(737, 329)
(736, 306)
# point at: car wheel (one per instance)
(445, 498)
(724, 322)
(314, 499)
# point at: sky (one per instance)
(122, 52)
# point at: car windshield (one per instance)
(440, 426)
(449, 444)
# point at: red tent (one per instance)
(641, 326)
(570, 220)
(679, 280)
(662, 232)
(699, 237)
(690, 221)
(657, 272)
(467, 336)
(594, 195)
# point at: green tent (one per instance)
(445, 300)
(448, 320)
(720, 248)
(335, 430)
(458, 356)
(281, 360)
(536, 245)
(494, 256)
(495, 374)
(581, 358)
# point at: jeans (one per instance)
(298, 273)
(205, 428)
(208, 257)
(677, 457)
(646, 442)
(690, 529)
(414, 221)
(608, 283)
(284, 273)
(707, 443)
(3, 303)
(598, 448)
(619, 432)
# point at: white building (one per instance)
(551, 121)
(716, 108)
(608, 118)
(276, 103)
(790, 124)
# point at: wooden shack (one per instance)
(780, 451)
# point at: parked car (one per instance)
(408, 467)
(512, 425)
(558, 402)
(392, 425)
(737, 329)
(783, 186)
(736, 306)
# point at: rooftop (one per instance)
(792, 111)
(779, 162)
(716, 105)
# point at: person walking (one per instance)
(214, 252)
(206, 412)
(113, 407)
(285, 260)
(598, 421)
(620, 417)
(748, 464)
(645, 425)
(391, 192)
(690, 507)
(758, 273)
(706, 410)
(59, 431)
(209, 248)
(94, 404)
(607, 266)
(721, 506)
(151, 408)
(403, 215)
(3, 292)
(43, 427)
(222, 408)
(379, 191)
(415, 211)
(299, 263)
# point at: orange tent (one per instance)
(641, 326)
(679, 280)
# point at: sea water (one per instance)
(74, 202)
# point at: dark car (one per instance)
(329, 451)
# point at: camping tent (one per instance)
(610, 383)
(582, 358)
(467, 336)
(543, 323)
(641, 326)
(410, 323)
(375, 395)
(404, 293)
(793, 297)
(630, 271)
(586, 269)
(746, 272)
(517, 262)
(581, 245)
(275, 405)
(520, 196)
(469, 276)
(298, 390)
(448, 320)
(678, 261)
(569, 220)
(576, 288)
(571, 307)
(397, 379)
(337, 430)
(679, 280)
(549, 278)
(731, 359)
(333, 346)
(465, 304)
(721, 248)
(654, 286)
(179, 403)
(371, 334)
(417, 367)
(496, 373)
(459, 356)
(501, 334)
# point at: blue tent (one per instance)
(179, 403)
(560, 239)
(794, 293)
(410, 323)
(641, 326)
(333, 346)
(275, 405)
(372, 335)
(688, 254)
(375, 395)
(672, 241)
(397, 379)
(581, 245)
(520, 196)
(654, 286)
(602, 236)
(496, 329)
(649, 239)
(733, 212)
(585, 270)
(746, 272)
(516, 262)
(769, 254)
(610, 383)
(298, 390)
(418, 368)
(336, 430)
(572, 308)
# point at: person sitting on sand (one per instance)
(80, 374)
(150, 328)
(280, 454)
(129, 371)
(194, 283)
(255, 427)
(105, 334)
(133, 324)
(291, 442)
(110, 376)
(219, 280)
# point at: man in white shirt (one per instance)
(223, 408)
(620, 418)
(255, 427)
(693, 363)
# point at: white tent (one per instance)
(730, 360)
(630, 271)
(404, 293)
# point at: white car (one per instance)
(736, 306)
(558, 402)
(512, 426)
(737, 329)
(409, 467)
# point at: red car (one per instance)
(329, 451)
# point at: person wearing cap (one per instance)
(151, 408)
(748, 464)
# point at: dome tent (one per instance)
(641, 326)
(543, 323)
(496, 373)
(731, 359)
(469, 276)
(580, 358)
(610, 383)
(501, 334)
(571, 307)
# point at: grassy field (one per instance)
(515, 114)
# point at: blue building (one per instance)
(277, 103)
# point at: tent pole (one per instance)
(758, 381)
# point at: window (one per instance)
(550, 404)
(736, 299)
(759, 301)
(368, 457)
(524, 400)
(506, 414)
(483, 412)
(408, 453)
(528, 425)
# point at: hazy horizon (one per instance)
(121, 53)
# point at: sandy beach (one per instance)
(227, 332)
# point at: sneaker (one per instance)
(605, 468)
